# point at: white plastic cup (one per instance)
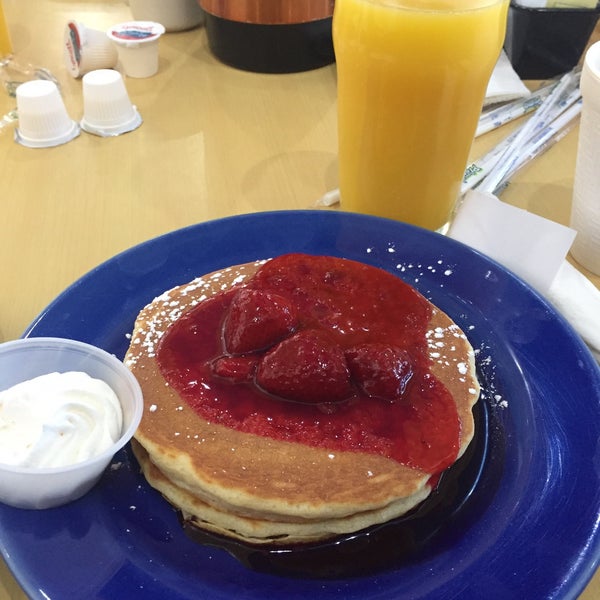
(43, 117)
(585, 212)
(24, 359)
(137, 46)
(87, 49)
(107, 108)
(175, 15)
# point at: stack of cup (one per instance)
(43, 117)
(585, 214)
(107, 109)
(87, 49)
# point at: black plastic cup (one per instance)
(545, 42)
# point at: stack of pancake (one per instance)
(267, 491)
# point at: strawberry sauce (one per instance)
(322, 351)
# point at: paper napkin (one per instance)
(535, 249)
(529, 245)
(504, 84)
(578, 299)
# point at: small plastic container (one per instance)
(43, 117)
(175, 15)
(107, 109)
(137, 46)
(87, 49)
(24, 359)
(545, 42)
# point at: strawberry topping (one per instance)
(306, 350)
(257, 320)
(306, 367)
(380, 370)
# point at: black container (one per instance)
(546, 42)
(272, 36)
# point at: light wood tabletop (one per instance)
(214, 142)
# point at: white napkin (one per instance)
(504, 84)
(530, 246)
(535, 249)
(578, 299)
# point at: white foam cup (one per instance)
(585, 211)
(107, 108)
(175, 15)
(43, 117)
(137, 46)
(87, 49)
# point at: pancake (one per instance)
(255, 530)
(262, 489)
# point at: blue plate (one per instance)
(533, 529)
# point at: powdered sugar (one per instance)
(487, 369)
(442, 345)
(418, 270)
(166, 308)
(415, 272)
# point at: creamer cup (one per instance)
(43, 117)
(107, 109)
(137, 46)
(87, 49)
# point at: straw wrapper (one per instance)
(496, 117)
(566, 92)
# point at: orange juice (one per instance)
(412, 76)
(5, 45)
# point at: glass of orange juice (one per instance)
(412, 76)
(5, 45)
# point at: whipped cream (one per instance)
(57, 419)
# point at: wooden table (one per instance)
(215, 142)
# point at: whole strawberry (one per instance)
(257, 320)
(306, 367)
(380, 370)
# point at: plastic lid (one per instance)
(73, 44)
(129, 125)
(73, 130)
(135, 33)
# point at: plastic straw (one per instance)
(513, 110)
(480, 168)
(543, 116)
(544, 140)
(329, 198)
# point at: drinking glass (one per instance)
(412, 76)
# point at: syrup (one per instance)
(462, 493)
